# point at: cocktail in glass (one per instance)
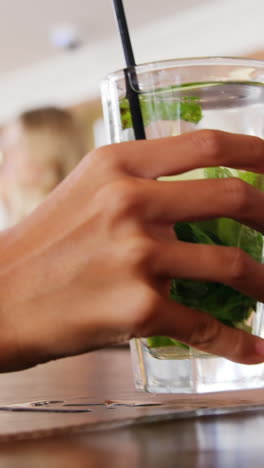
(175, 97)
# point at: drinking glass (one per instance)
(175, 97)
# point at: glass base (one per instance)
(201, 374)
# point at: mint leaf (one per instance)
(223, 302)
(252, 178)
(251, 242)
(229, 232)
(160, 341)
(217, 173)
(155, 108)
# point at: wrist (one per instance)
(20, 345)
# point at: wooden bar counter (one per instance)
(165, 431)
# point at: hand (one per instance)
(91, 267)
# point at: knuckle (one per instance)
(237, 345)
(148, 308)
(104, 153)
(120, 197)
(205, 332)
(150, 302)
(238, 265)
(256, 148)
(239, 194)
(142, 253)
(209, 142)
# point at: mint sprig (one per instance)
(156, 107)
(223, 302)
(226, 304)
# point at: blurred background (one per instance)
(55, 53)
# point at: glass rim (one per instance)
(187, 62)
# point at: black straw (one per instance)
(130, 72)
(124, 33)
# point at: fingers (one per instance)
(202, 331)
(228, 265)
(175, 155)
(197, 200)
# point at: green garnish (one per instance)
(155, 108)
(223, 302)
(159, 341)
(226, 304)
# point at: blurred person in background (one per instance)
(40, 148)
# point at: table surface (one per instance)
(121, 436)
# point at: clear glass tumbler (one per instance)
(179, 96)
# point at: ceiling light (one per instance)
(65, 36)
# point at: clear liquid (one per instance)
(233, 107)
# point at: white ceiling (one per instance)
(25, 25)
(32, 73)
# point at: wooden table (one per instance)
(121, 437)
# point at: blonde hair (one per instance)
(40, 148)
(56, 137)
